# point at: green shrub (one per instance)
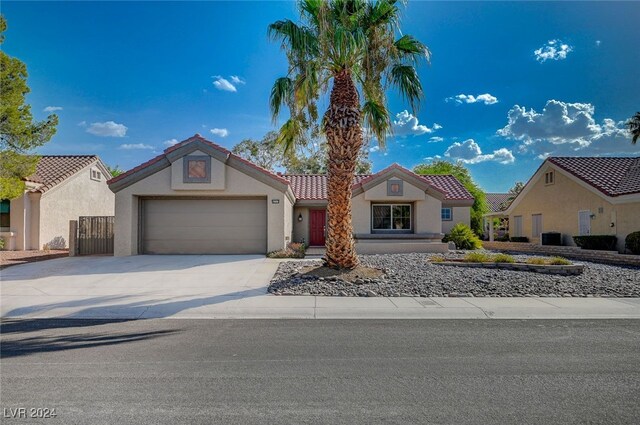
(601, 242)
(463, 237)
(1, 243)
(632, 242)
(503, 258)
(559, 261)
(536, 260)
(519, 239)
(477, 257)
(437, 259)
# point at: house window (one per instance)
(197, 169)
(394, 187)
(536, 225)
(517, 225)
(96, 175)
(391, 217)
(5, 215)
(549, 177)
(446, 214)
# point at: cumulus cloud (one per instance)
(237, 80)
(222, 132)
(485, 98)
(565, 129)
(135, 146)
(52, 108)
(375, 148)
(406, 124)
(553, 50)
(107, 129)
(469, 152)
(225, 85)
(170, 142)
(435, 139)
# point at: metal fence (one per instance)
(95, 235)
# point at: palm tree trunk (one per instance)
(344, 139)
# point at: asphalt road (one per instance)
(307, 372)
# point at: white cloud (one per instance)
(485, 98)
(52, 108)
(223, 84)
(553, 50)
(107, 129)
(237, 80)
(135, 146)
(435, 139)
(170, 142)
(432, 158)
(598, 42)
(375, 148)
(222, 132)
(566, 129)
(469, 152)
(406, 124)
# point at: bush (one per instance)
(559, 261)
(503, 258)
(536, 260)
(1, 243)
(554, 261)
(477, 257)
(519, 239)
(602, 242)
(632, 242)
(463, 237)
(293, 250)
(504, 238)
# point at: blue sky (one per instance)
(509, 82)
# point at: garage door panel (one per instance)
(205, 226)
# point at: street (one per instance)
(332, 371)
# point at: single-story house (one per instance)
(578, 196)
(63, 188)
(199, 198)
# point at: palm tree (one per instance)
(351, 44)
(634, 127)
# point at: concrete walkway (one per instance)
(210, 287)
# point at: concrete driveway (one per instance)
(133, 287)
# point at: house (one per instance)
(578, 196)
(198, 197)
(496, 202)
(63, 188)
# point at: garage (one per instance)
(204, 226)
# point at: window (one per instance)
(394, 187)
(549, 177)
(197, 169)
(536, 225)
(391, 217)
(5, 214)
(96, 175)
(446, 214)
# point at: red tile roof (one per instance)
(498, 201)
(613, 176)
(54, 169)
(451, 186)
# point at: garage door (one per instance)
(197, 226)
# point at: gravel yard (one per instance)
(413, 275)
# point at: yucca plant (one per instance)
(354, 48)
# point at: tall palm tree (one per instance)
(350, 45)
(634, 127)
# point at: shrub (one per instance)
(1, 243)
(504, 238)
(536, 260)
(559, 261)
(503, 258)
(437, 259)
(477, 257)
(603, 242)
(632, 242)
(463, 237)
(293, 250)
(519, 239)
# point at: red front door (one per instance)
(317, 224)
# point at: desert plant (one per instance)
(536, 260)
(559, 261)
(437, 259)
(519, 239)
(478, 257)
(463, 237)
(1, 243)
(293, 250)
(503, 258)
(603, 242)
(632, 242)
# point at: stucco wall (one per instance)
(301, 228)
(459, 215)
(19, 212)
(560, 203)
(236, 184)
(77, 196)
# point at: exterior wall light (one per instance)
(300, 217)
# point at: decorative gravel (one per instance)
(413, 275)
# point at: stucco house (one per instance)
(198, 197)
(63, 188)
(579, 196)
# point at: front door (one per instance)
(317, 224)
(584, 223)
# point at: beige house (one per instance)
(578, 196)
(63, 188)
(198, 197)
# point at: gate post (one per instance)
(73, 238)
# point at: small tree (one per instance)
(19, 134)
(513, 193)
(115, 171)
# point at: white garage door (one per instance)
(205, 226)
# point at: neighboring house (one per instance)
(63, 188)
(197, 197)
(497, 202)
(579, 196)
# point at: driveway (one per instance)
(132, 287)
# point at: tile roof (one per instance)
(497, 200)
(451, 186)
(613, 176)
(54, 169)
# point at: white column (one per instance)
(490, 229)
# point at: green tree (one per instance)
(266, 152)
(115, 171)
(634, 127)
(513, 193)
(462, 173)
(355, 48)
(19, 133)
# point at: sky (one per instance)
(509, 83)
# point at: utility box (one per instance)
(551, 238)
